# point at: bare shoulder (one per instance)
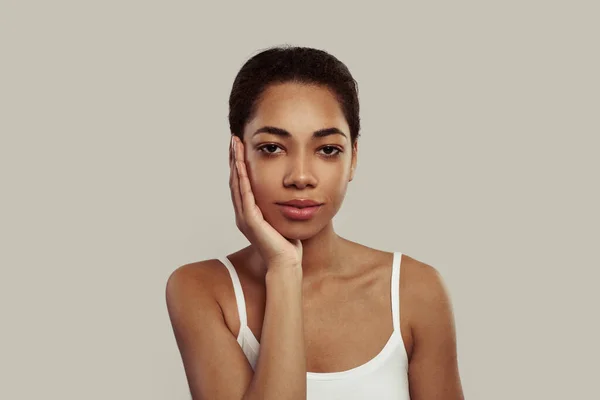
(189, 290)
(193, 288)
(422, 282)
(204, 340)
(433, 365)
(192, 279)
(194, 272)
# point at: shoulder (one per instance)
(423, 283)
(430, 313)
(423, 287)
(433, 362)
(192, 274)
(202, 335)
(191, 283)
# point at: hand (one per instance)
(271, 245)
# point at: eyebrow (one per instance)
(283, 133)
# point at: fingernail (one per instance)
(233, 144)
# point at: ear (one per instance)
(354, 160)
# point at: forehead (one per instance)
(299, 108)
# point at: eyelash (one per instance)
(267, 154)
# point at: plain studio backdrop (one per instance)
(478, 156)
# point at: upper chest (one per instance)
(347, 321)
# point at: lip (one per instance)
(299, 214)
(301, 203)
(299, 209)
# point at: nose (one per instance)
(299, 172)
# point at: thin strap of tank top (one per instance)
(237, 289)
(396, 290)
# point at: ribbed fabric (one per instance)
(383, 377)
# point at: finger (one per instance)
(230, 149)
(235, 190)
(231, 165)
(230, 162)
(248, 201)
(247, 197)
(236, 196)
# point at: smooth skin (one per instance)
(300, 277)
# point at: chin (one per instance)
(298, 235)
(296, 230)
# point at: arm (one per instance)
(433, 368)
(215, 365)
(281, 366)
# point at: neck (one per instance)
(322, 254)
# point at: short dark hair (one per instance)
(282, 64)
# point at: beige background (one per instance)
(478, 155)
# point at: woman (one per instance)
(336, 319)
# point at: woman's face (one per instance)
(298, 146)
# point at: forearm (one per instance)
(281, 367)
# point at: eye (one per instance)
(326, 151)
(269, 149)
(331, 151)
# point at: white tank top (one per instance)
(383, 377)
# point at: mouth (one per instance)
(301, 203)
(299, 213)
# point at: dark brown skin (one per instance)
(345, 285)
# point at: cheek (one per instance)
(336, 175)
(334, 185)
(262, 182)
